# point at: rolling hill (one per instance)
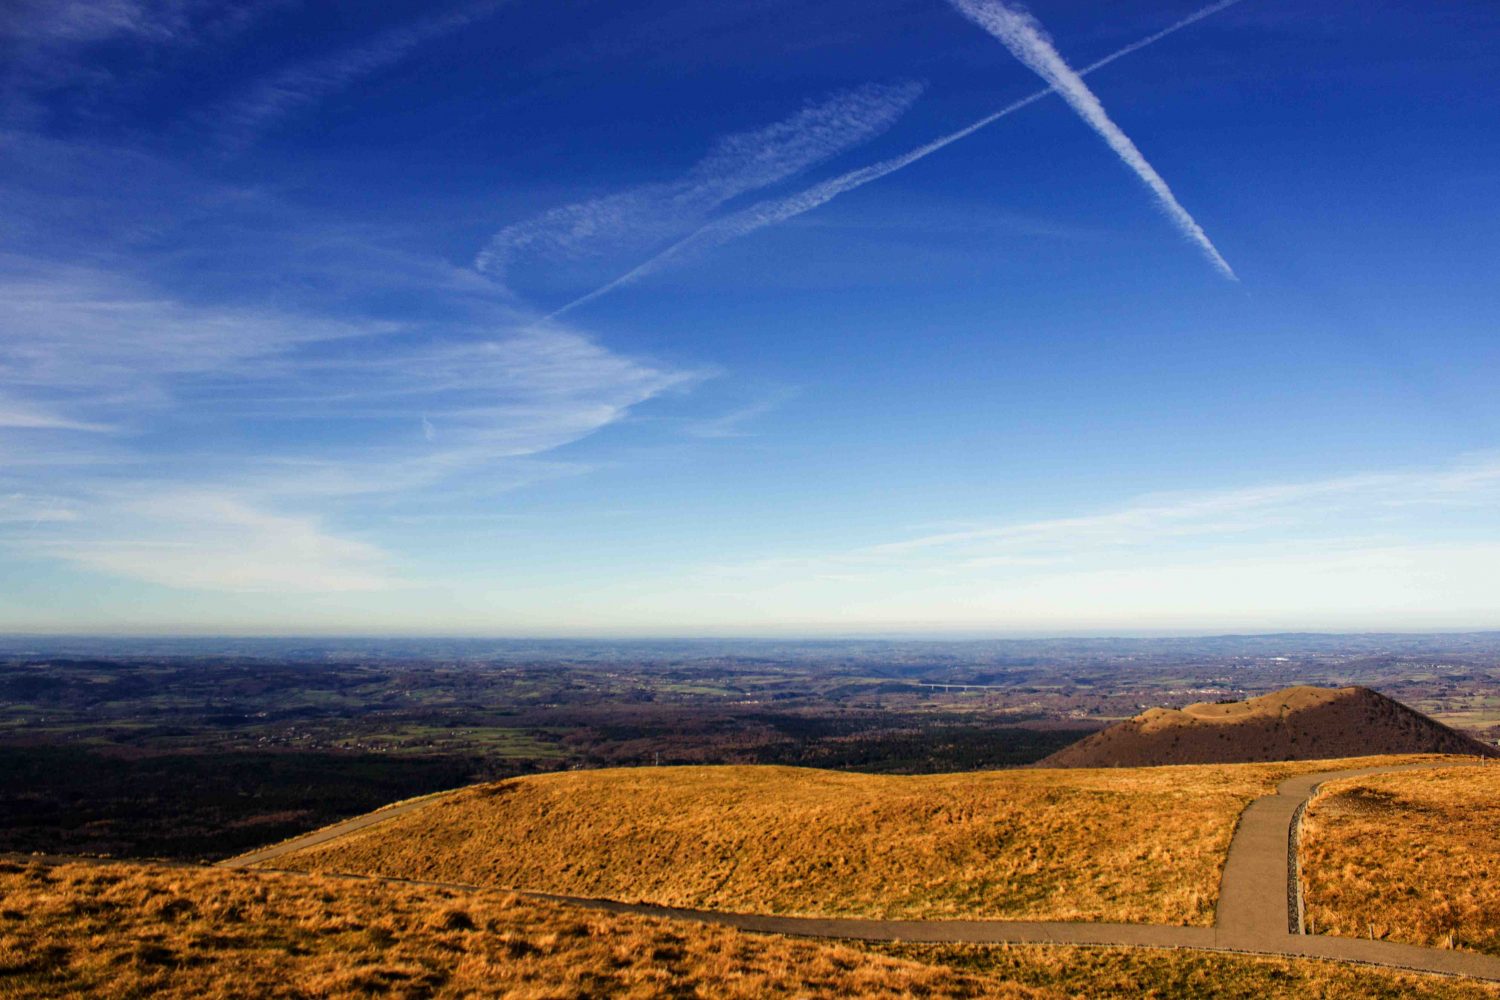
(1297, 723)
(1135, 845)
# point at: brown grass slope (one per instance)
(127, 931)
(1410, 857)
(1298, 723)
(1143, 846)
(135, 931)
(1158, 974)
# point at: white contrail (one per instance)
(640, 218)
(769, 212)
(1028, 42)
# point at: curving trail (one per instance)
(1258, 911)
(1260, 904)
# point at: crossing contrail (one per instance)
(1028, 42)
(771, 211)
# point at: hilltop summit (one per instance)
(1297, 723)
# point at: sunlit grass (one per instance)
(126, 931)
(1161, 973)
(1411, 857)
(1131, 844)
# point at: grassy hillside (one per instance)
(1141, 845)
(123, 931)
(131, 931)
(1415, 855)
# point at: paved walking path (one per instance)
(1258, 892)
(1257, 910)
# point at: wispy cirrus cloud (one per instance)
(98, 348)
(29, 417)
(737, 164)
(82, 22)
(491, 406)
(48, 46)
(92, 339)
(1340, 552)
(266, 429)
(260, 107)
(1029, 42)
(331, 422)
(772, 211)
(74, 23)
(1344, 507)
(26, 509)
(732, 424)
(200, 539)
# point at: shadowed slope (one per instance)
(1298, 723)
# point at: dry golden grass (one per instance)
(1417, 855)
(134, 931)
(124, 931)
(1129, 844)
(1157, 973)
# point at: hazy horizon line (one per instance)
(953, 635)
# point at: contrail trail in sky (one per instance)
(639, 219)
(1028, 42)
(769, 212)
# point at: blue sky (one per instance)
(511, 318)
